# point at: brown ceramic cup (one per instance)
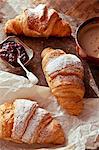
(81, 50)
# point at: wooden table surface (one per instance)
(77, 8)
(82, 9)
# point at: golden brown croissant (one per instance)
(40, 21)
(24, 121)
(64, 74)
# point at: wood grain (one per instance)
(75, 8)
(83, 9)
(79, 9)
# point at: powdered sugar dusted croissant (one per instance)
(40, 21)
(24, 121)
(64, 74)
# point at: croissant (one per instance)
(64, 74)
(38, 22)
(24, 121)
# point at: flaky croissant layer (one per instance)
(64, 74)
(39, 21)
(24, 121)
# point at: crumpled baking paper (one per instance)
(81, 132)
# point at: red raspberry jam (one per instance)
(10, 51)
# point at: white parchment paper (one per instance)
(81, 132)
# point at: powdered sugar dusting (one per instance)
(21, 113)
(33, 124)
(39, 10)
(61, 62)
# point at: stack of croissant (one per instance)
(64, 74)
(23, 120)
